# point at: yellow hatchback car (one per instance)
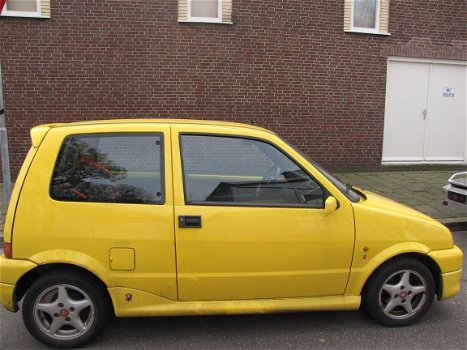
(182, 217)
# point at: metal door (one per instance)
(425, 116)
(446, 118)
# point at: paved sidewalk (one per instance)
(419, 189)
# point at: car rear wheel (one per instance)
(65, 310)
(400, 292)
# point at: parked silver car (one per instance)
(456, 193)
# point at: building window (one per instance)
(206, 11)
(26, 8)
(367, 16)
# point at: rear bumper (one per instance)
(11, 271)
(455, 198)
(7, 297)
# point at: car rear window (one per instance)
(109, 168)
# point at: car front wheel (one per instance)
(400, 292)
(65, 310)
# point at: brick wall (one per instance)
(286, 65)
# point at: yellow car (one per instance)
(181, 217)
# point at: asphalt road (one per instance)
(444, 327)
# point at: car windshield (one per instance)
(346, 189)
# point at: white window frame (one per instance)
(376, 29)
(205, 19)
(35, 14)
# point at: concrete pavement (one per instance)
(419, 189)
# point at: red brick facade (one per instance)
(287, 65)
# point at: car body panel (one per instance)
(84, 233)
(386, 229)
(385, 222)
(11, 271)
(15, 195)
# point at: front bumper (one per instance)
(450, 264)
(450, 284)
(11, 270)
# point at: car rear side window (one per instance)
(220, 170)
(110, 168)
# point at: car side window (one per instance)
(110, 168)
(239, 171)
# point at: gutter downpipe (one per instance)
(4, 151)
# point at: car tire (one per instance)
(400, 292)
(65, 309)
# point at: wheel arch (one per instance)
(25, 282)
(423, 258)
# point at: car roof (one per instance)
(161, 121)
(38, 132)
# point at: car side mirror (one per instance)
(330, 205)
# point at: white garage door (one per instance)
(425, 116)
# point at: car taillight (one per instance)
(8, 250)
(456, 197)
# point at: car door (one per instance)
(250, 222)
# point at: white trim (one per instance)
(404, 161)
(29, 14)
(192, 21)
(444, 159)
(361, 31)
(22, 14)
(204, 19)
(375, 30)
(426, 60)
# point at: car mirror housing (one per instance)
(330, 205)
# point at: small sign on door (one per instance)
(449, 92)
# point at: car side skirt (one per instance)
(135, 303)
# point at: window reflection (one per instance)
(109, 168)
(244, 171)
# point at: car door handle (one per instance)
(189, 221)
